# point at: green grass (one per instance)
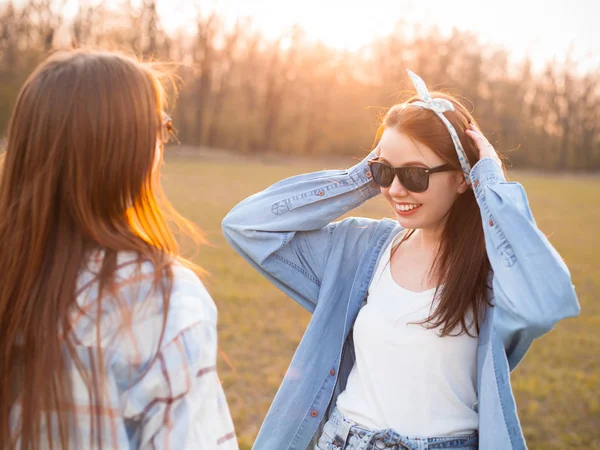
(557, 385)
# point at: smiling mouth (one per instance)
(407, 207)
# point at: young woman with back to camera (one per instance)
(107, 337)
(416, 322)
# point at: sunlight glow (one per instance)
(542, 29)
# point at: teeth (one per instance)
(406, 207)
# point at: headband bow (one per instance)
(440, 106)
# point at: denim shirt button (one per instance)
(332, 372)
(491, 222)
(379, 443)
(368, 174)
(320, 193)
(314, 413)
(476, 183)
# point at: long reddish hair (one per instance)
(461, 263)
(78, 179)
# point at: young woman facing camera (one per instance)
(107, 339)
(417, 322)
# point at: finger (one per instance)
(477, 136)
(474, 127)
(474, 135)
(475, 130)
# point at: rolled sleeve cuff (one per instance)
(362, 177)
(487, 171)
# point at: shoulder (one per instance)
(188, 298)
(190, 294)
(182, 323)
(135, 302)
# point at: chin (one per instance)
(415, 223)
(408, 222)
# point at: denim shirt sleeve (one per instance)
(285, 231)
(531, 283)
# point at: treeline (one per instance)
(241, 91)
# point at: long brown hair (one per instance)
(461, 263)
(78, 179)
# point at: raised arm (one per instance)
(285, 231)
(532, 284)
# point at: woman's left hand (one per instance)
(486, 150)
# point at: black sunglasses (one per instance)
(414, 179)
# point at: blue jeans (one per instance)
(340, 433)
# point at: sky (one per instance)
(543, 29)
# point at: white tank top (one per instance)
(406, 377)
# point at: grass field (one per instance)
(557, 385)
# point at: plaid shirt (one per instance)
(155, 397)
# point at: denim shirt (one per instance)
(289, 234)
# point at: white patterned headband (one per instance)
(439, 106)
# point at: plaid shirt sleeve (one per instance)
(177, 401)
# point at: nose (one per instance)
(396, 189)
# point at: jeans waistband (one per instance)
(390, 439)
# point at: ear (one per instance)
(462, 184)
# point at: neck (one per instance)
(428, 239)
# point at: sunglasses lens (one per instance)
(382, 174)
(415, 179)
